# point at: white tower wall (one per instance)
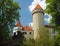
(38, 22)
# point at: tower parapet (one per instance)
(36, 11)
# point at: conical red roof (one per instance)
(19, 24)
(38, 7)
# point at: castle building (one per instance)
(26, 30)
(38, 24)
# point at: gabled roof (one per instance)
(27, 28)
(19, 24)
(37, 7)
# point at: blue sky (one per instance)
(25, 13)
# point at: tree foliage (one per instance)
(29, 42)
(44, 38)
(53, 8)
(8, 15)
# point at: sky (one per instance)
(26, 11)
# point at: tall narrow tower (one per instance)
(38, 20)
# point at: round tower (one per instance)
(38, 20)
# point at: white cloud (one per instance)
(48, 19)
(35, 2)
(31, 24)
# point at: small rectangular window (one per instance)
(25, 33)
(30, 32)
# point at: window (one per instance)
(30, 32)
(25, 33)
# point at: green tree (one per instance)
(57, 38)
(53, 8)
(9, 13)
(44, 39)
(29, 42)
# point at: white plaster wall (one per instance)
(28, 35)
(15, 29)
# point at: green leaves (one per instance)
(16, 5)
(9, 13)
(29, 42)
(53, 8)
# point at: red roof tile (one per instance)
(19, 24)
(38, 7)
(27, 28)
